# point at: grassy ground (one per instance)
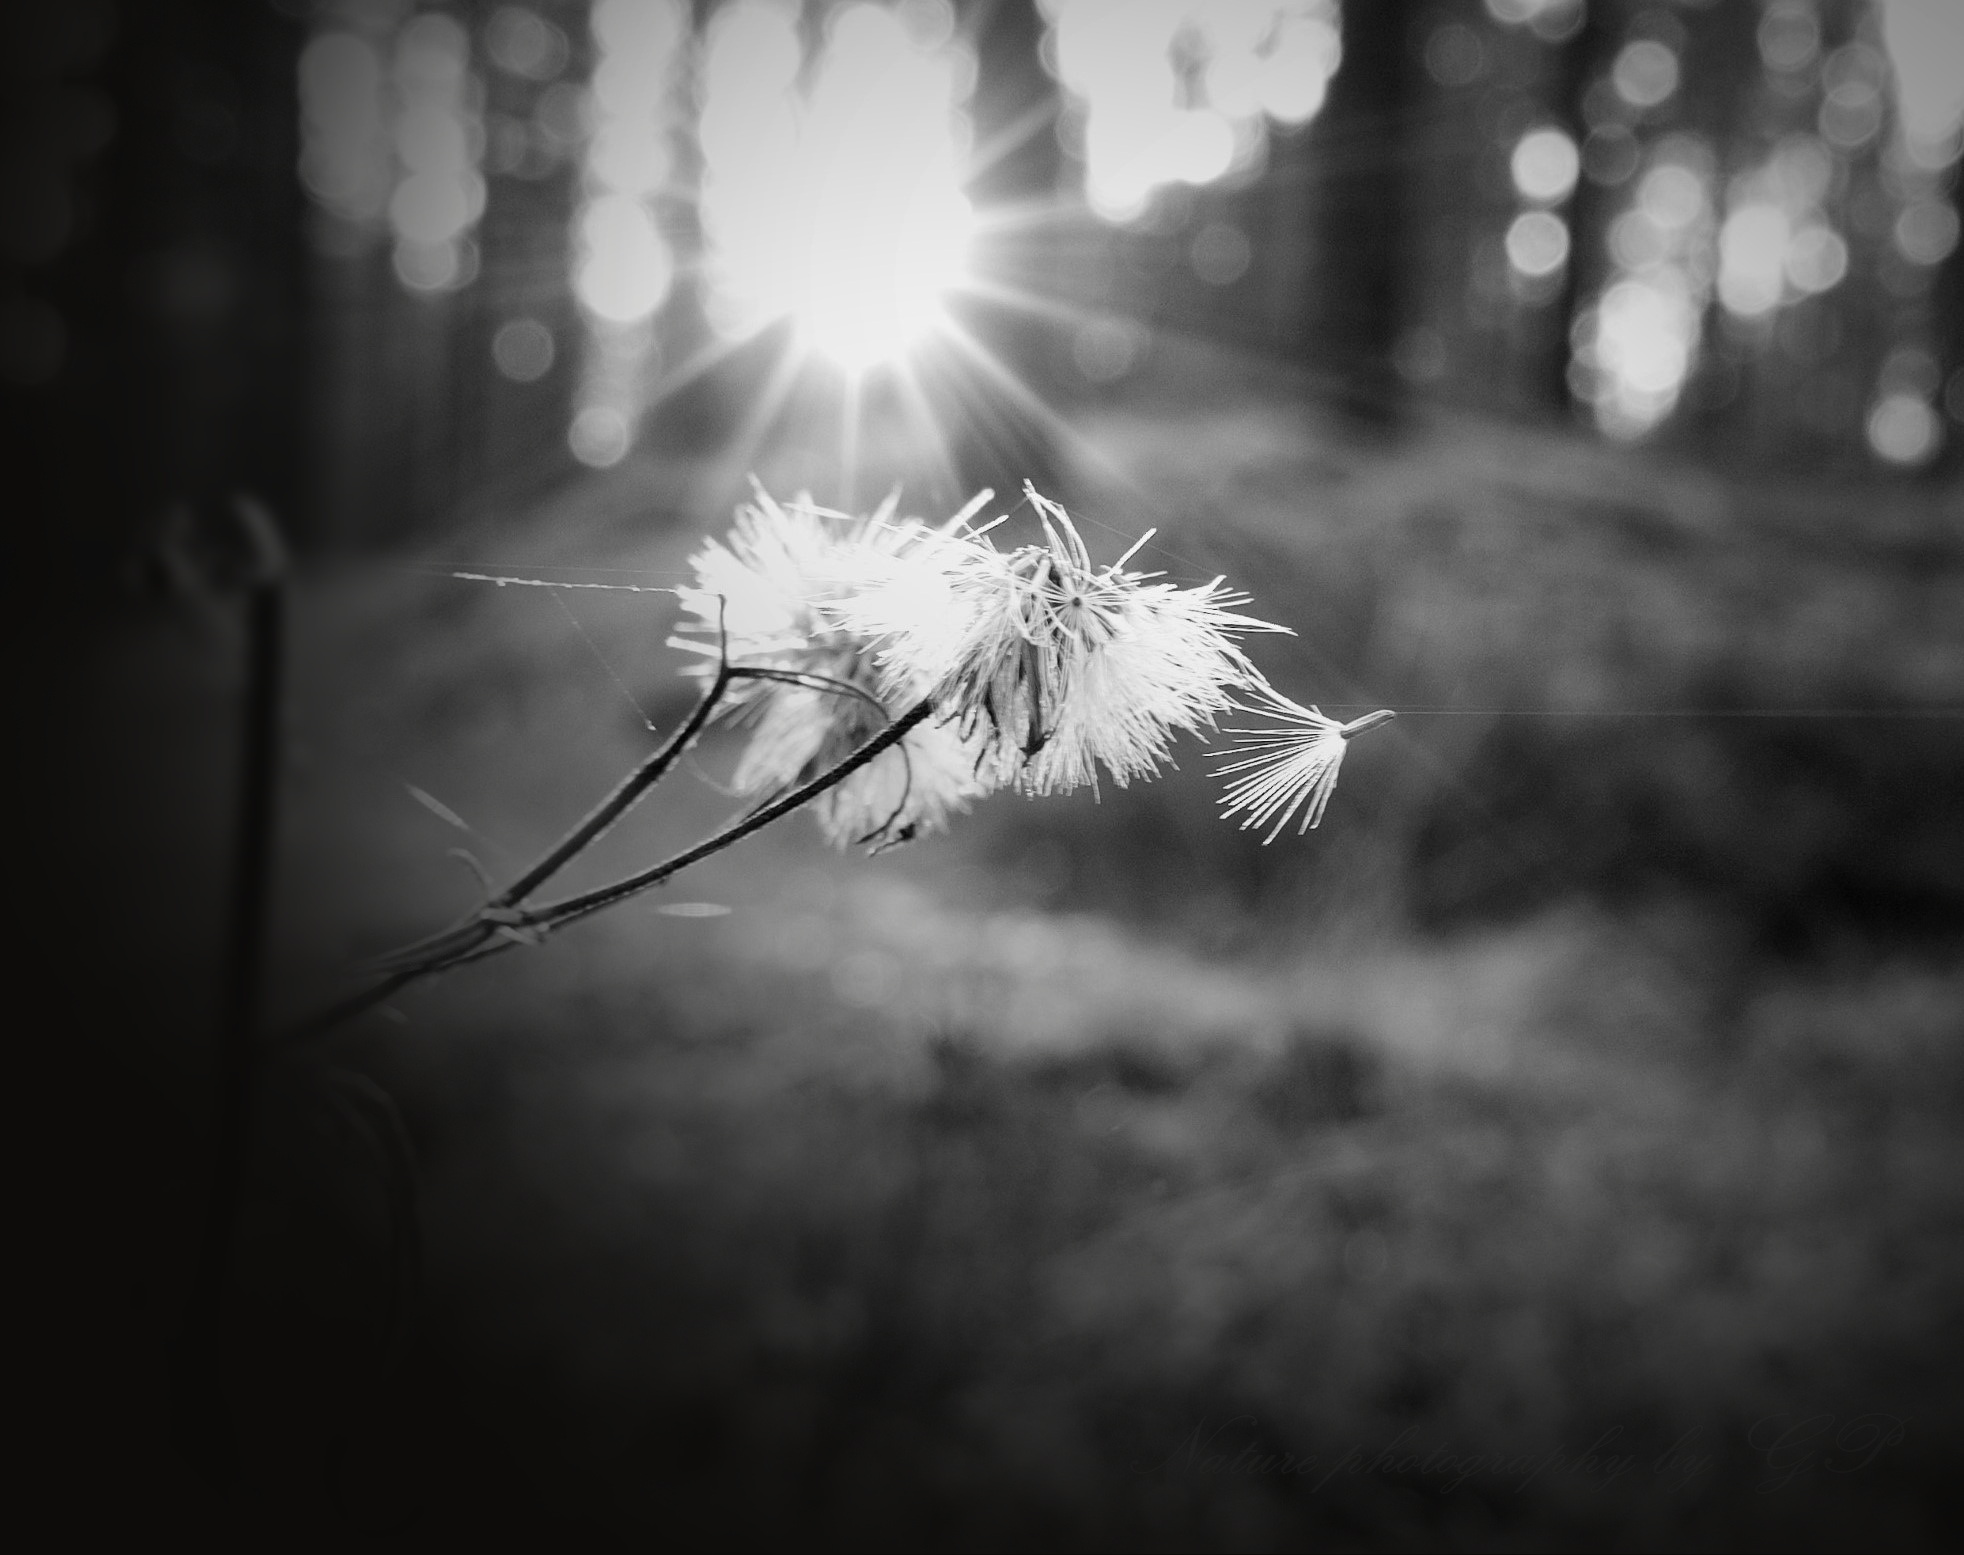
(1558, 1149)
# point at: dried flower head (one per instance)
(1290, 764)
(766, 583)
(770, 586)
(799, 731)
(1042, 668)
(1054, 666)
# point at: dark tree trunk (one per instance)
(1948, 341)
(172, 270)
(206, 211)
(1583, 59)
(999, 436)
(1358, 154)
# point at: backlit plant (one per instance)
(888, 672)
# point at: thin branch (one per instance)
(616, 804)
(811, 681)
(555, 915)
(238, 1053)
(485, 922)
(530, 925)
(481, 923)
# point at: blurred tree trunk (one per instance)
(999, 432)
(1948, 342)
(1742, 388)
(1584, 58)
(1359, 147)
(65, 301)
(1282, 232)
(518, 447)
(203, 213)
(695, 420)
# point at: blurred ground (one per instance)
(1558, 1149)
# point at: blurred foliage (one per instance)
(1532, 604)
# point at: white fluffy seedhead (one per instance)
(1053, 666)
(771, 585)
(1045, 671)
(1290, 764)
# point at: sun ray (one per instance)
(1020, 299)
(1081, 449)
(734, 461)
(699, 364)
(1014, 217)
(918, 412)
(1012, 137)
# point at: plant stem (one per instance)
(479, 940)
(237, 1056)
(616, 804)
(477, 928)
(251, 888)
(556, 915)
